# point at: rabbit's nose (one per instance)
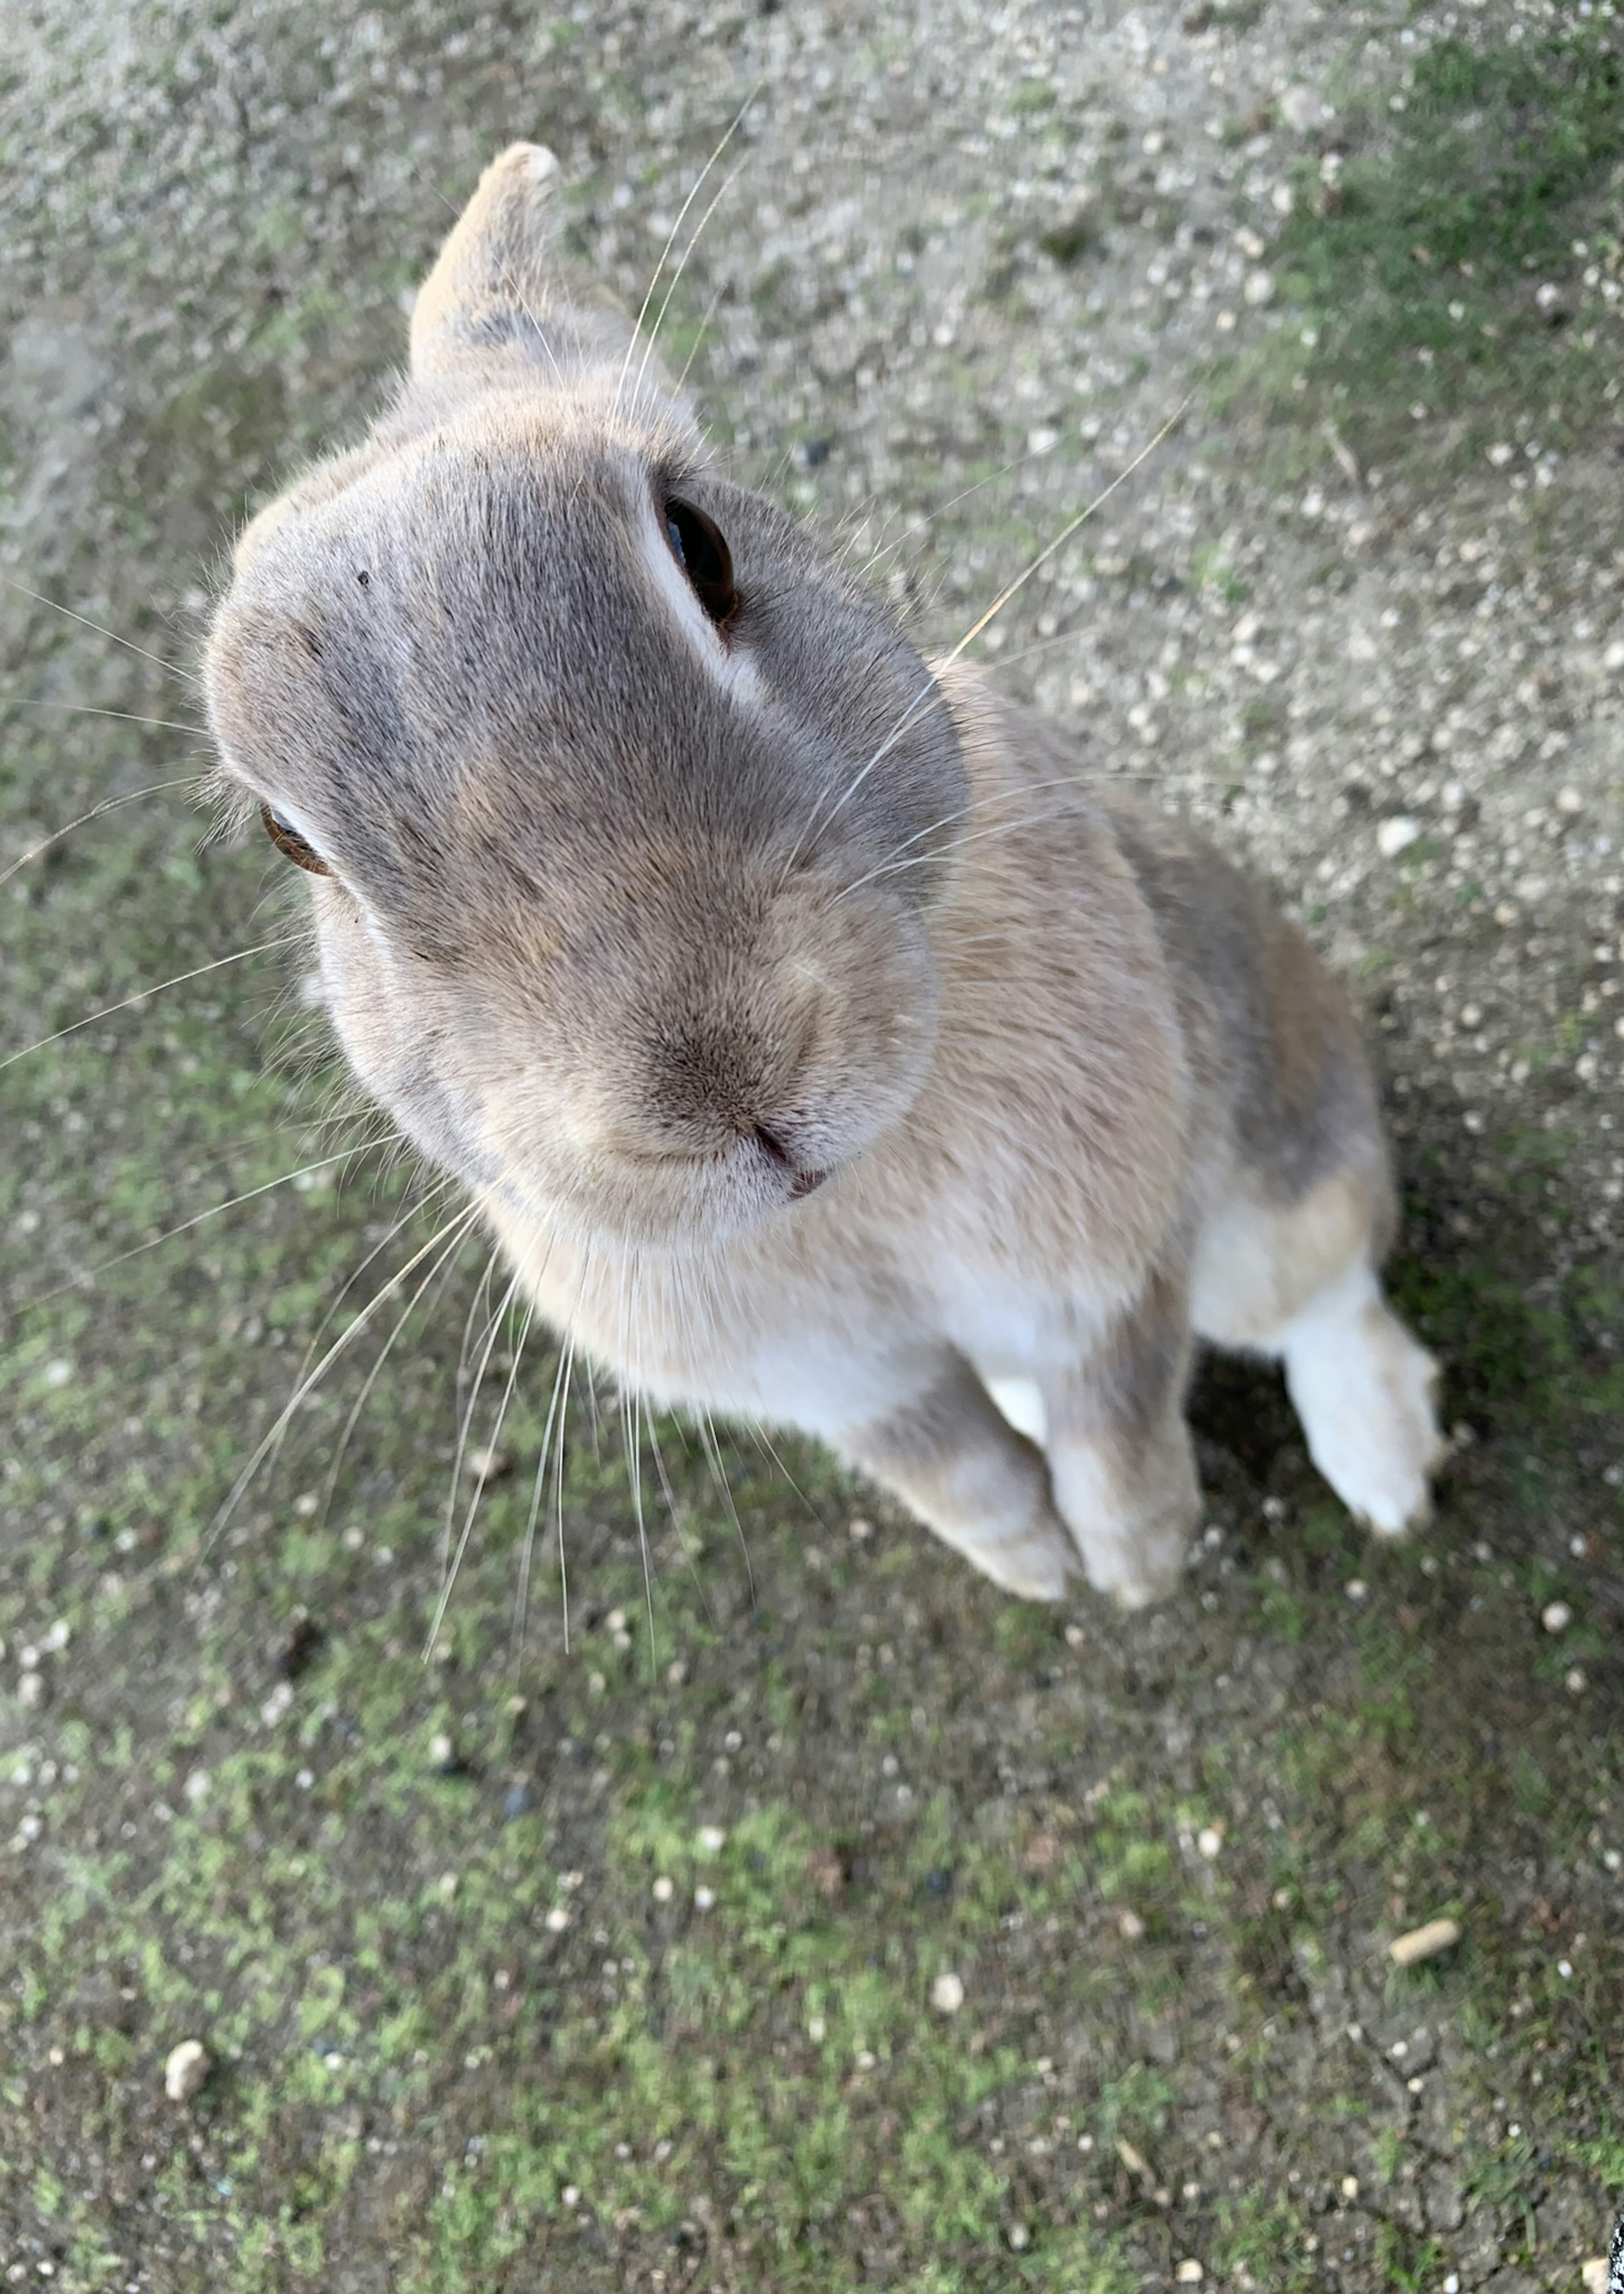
(803, 1180)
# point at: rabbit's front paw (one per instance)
(1132, 1529)
(1032, 1562)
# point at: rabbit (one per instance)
(821, 1047)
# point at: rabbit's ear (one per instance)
(501, 290)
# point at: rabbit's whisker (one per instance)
(122, 716)
(463, 1221)
(88, 1274)
(920, 524)
(439, 1186)
(564, 1581)
(265, 947)
(764, 1442)
(718, 1474)
(728, 135)
(1071, 526)
(436, 1275)
(676, 278)
(825, 814)
(704, 326)
(129, 645)
(973, 806)
(107, 804)
(496, 1435)
(484, 1345)
(536, 1497)
(674, 1509)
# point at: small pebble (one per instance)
(186, 2070)
(665, 1889)
(1350, 2186)
(1356, 1589)
(557, 1919)
(704, 1899)
(1209, 1839)
(1575, 1681)
(947, 1994)
(1133, 2160)
(1557, 1616)
(1130, 1926)
(516, 1801)
(1020, 2236)
(861, 1529)
(712, 1838)
(1593, 2274)
(1392, 836)
(490, 1465)
(278, 1704)
(1189, 2272)
(1424, 1942)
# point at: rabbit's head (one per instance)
(626, 810)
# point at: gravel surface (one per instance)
(862, 1930)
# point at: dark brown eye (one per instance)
(698, 548)
(291, 845)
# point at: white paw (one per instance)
(1133, 1539)
(1364, 1389)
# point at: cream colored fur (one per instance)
(823, 1050)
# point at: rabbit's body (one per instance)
(823, 1049)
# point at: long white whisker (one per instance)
(824, 815)
(676, 278)
(675, 1511)
(80, 1280)
(1068, 530)
(496, 1435)
(564, 1580)
(728, 136)
(437, 1273)
(464, 1220)
(718, 1474)
(124, 716)
(128, 644)
(536, 1499)
(437, 1187)
(488, 1341)
(704, 328)
(264, 948)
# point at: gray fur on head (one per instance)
(591, 925)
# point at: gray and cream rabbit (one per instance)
(821, 1046)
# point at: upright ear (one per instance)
(500, 292)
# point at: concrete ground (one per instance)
(826, 1920)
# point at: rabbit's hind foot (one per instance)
(1364, 1391)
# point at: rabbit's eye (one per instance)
(291, 845)
(698, 548)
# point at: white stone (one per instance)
(947, 1994)
(1392, 836)
(187, 2069)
